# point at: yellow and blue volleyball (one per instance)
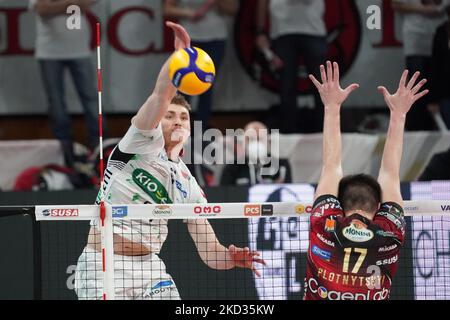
(191, 71)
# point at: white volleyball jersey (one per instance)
(139, 172)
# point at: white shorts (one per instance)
(136, 277)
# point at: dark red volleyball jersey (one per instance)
(352, 257)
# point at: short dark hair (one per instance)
(359, 192)
(180, 100)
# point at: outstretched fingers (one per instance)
(317, 84)
(261, 261)
(323, 74)
(336, 75)
(178, 29)
(329, 71)
(256, 260)
(403, 79)
(257, 273)
(413, 80)
(351, 88)
(421, 94)
(180, 34)
(418, 86)
(384, 91)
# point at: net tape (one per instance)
(211, 210)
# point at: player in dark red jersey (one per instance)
(357, 226)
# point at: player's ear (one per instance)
(378, 209)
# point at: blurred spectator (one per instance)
(438, 168)
(205, 21)
(298, 29)
(257, 149)
(203, 171)
(421, 18)
(59, 48)
(50, 177)
(440, 67)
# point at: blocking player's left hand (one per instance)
(245, 258)
(330, 90)
(407, 93)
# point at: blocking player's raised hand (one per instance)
(407, 93)
(399, 103)
(330, 89)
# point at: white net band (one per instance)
(212, 210)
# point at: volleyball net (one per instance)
(45, 256)
(178, 268)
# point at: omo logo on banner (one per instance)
(207, 210)
(283, 242)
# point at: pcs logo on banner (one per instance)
(257, 210)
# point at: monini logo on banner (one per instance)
(283, 242)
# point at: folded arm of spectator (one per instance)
(424, 9)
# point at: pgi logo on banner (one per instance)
(119, 212)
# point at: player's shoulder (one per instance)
(391, 208)
(140, 141)
(325, 206)
(327, 201)
(198, 195)
(185, 172)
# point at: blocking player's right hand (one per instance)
(407, 93)
(330, 90)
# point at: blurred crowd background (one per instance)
(263, 51)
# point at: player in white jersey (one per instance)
(145, 167)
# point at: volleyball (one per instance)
(191, 71)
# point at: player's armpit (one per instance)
(390, 186)
(329, 181)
